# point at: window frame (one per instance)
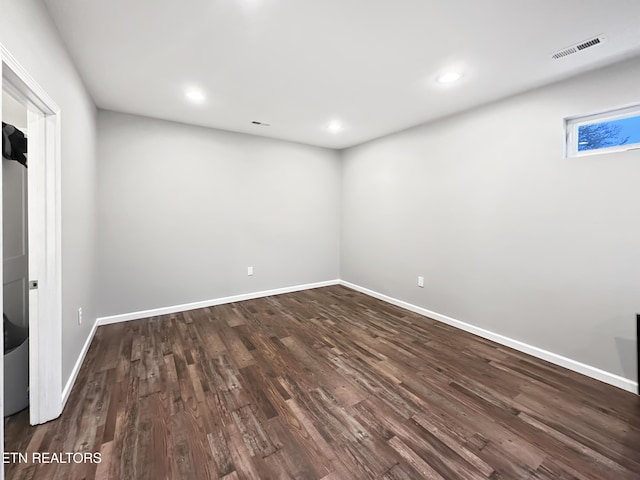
(572, 124)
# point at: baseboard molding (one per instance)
(588, 370)
(209, 303)
(174, 309)
(593, 372)
(76, 368)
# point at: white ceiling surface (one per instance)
(300, 64)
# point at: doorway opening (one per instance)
(42, 285)
(15, 255)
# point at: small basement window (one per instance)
(612, 131)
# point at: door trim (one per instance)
(45, 303)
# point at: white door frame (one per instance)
(45, 302)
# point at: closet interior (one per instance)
(15, 283)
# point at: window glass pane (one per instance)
(625, 131)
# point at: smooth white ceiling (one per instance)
(300, 64)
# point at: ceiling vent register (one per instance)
(578, 47)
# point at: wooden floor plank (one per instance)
(326, 384)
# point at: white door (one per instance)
(44, 242)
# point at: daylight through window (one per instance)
(611, 131)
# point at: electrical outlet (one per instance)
(249, 271)
(421, 281)
(80, 316)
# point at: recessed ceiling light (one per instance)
(449, 77)
(251, 3)
(334, 127)
(195, 96)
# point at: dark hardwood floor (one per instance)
(326, 384)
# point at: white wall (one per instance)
(27, 31)
(14, 112)
(510, 236)
(184, 210)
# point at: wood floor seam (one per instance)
(325, 384)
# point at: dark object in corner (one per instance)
(14, 144)
(14, 335)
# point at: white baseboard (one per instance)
(589, 371)
(593, 372)
(76, 368)
(209, 303)
(174, 309)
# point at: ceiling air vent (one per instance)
(592, 42)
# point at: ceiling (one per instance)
(301, 64)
